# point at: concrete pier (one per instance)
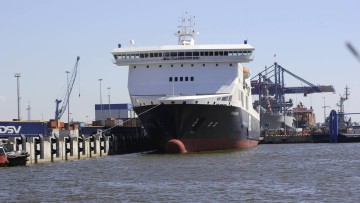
(90, 142)
(60, 147)
(282, 139)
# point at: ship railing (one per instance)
(230, 59)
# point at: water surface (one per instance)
(266, 173)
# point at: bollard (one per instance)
(71, 146)
(67, 148)
(104, 142)
(91, 147)
(81, 145)
(111, 144)
(54, 141)
(21, 140)
(101, 144)
(36, 150)
(18, 141)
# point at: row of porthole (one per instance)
(181, 79)
(182, 65)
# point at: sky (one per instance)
(41, 40)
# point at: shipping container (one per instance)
(27, 128)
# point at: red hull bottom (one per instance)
(196, 145)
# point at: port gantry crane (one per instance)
(274, 86)
(70, 85)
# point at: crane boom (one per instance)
(60, 112)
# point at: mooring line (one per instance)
(131, 118)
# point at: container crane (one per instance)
(272, 81)
(60, 112)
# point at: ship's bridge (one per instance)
(235, 53)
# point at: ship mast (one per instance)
(342, 99)
(186, 34)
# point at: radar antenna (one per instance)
(186, 33)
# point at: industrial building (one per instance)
(115, 111)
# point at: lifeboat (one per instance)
(246, 73)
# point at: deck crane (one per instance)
(60, 112)
(272, 80)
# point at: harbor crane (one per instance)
(270, 82)
(70, 85)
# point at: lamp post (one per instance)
(18, 75)
(324, 107)
(68, 98)
(109, 101)
(101, 107)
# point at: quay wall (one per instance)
(60, 148)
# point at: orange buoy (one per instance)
(175, 146)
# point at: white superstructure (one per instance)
(187, 73)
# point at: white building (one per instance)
(117, 111)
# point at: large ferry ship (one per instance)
(192, 97)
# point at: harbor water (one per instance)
(265, 173)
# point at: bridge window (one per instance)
(191, 78)
(186, 78)
(181, 79)
(170, 79)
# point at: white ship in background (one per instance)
(192, 97)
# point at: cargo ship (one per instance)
(191, 97)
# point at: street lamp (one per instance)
(68, 98)
(101, 107)
(324, 107)
(109, 101)
(18, 75)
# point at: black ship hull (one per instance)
(199, 127)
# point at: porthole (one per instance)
(147, 66)
(159, 66)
